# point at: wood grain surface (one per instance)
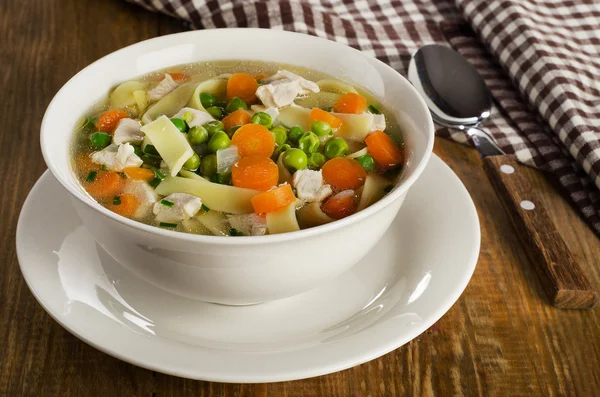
(561, 276)
(501, 338)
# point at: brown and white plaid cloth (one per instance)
(539, 58)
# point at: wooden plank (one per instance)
(564, 283)
(499, 339)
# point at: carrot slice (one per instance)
(253, 140)
(350, 103)
(341, 205)
(128, 206)
(343, 173)
(178, 76)
(273, 199)
(255, 172)
(239, 117)
(144, 174)
(320, 114)
(108, 120)
(107, 184)
(384, 150)
(243, 86)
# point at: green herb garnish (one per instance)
(150, 149)
(103, 168)
(167, 224)
(91, 176)
(235, 232)
(295, 191)
(373, 109)
(205, 208)
(167, 203)
(155, 182)
(117, 200)
(158, 174)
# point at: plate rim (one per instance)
(368, 354)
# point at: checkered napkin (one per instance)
(540, 59)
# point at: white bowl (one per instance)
(243, 270)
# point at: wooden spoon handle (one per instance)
(563, 280)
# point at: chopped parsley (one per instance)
(167, 203)
(373, 109)
(117, 200)
(234, 232)
(205, 208)
(167, 224)
(91, 176)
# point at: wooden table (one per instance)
(500, 339)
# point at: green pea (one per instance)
(187, 116)
(309, 142)
(235, 104)
(214, 126)
(180, 124)
(335, 147)
(367, 162)
(232, 130)
(215, 111)
(321, 128)
(197, 135)
(219, 140)
(295, 133)
(192, 163)
(279, 134)
(316, 160)
(262, 118)
(295, 159)
(207, 100)
(100, 140)
(280, 149)
(208, 166)
(224, 178)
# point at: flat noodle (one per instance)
(170, 103)
(283, 221)
(216, 87)
(123, 95)
(217, 197)
(170, 143)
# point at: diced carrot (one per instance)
(178, 76)
(107, 184)
(350, 103)
(239, 117)
(341, 205)
(128, 206)
(255, 172)
(243, 86)
(108, 120)
(273, 199)
(84, 164)
(144, 174)
(386, 153)
(320, 114)
(253, 140)
(343, 173)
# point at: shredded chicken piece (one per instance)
(166, 85)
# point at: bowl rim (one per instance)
(398, 191)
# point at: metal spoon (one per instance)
(454, 92)
(458, 98)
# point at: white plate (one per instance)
(412, 277)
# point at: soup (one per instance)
(237, 149)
